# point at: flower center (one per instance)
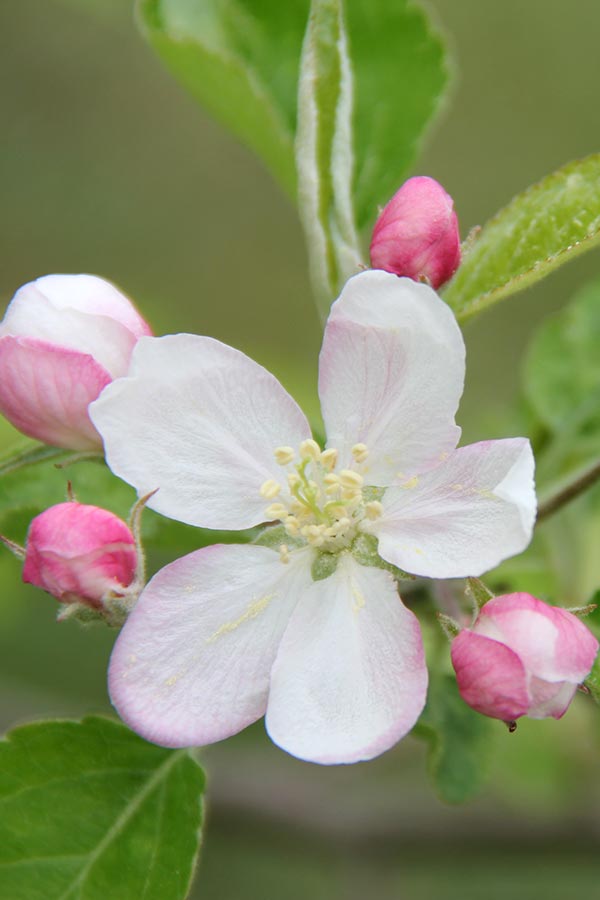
(323, 507)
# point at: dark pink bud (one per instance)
(416, 235)
(80, 553)
(522, 657)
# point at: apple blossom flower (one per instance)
(301, 628)
(80, 554)
(62, 340)
(522, 657)
(417, 233)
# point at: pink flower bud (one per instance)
(417, 233)
(80, 553)
(62, 340)
(522, 657)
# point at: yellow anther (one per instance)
(351, 480)
(360, 452)
(352, 499)
(309, 449)
(293, 479)
(270, 489)
(314, 534)
(276, 511)
(373, 509)
(291, 526)
(284, 455)
(332, 478)
(284, 553)
(329, 458)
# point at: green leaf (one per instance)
(458, 739)
(240, 59)
(400, 78)
(562, 385)
(90, 811)
(547, 225)
(562, 369)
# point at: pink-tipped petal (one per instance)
(198, 421)
(192, 663)
(350, 679)
(466, 516)
(491, 677)
(45, 391)
(553, 643)
(391, 375)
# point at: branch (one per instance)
(569, 492)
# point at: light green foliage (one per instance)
(372, 77)
(90, 811)
(542, 228)
(562, 382)
(400, 76)
(458, 739)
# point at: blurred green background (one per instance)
(107, 166)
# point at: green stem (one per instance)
(29, 456)
(569, 491)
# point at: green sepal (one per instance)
(324, 565)
(450, 626)
(477, 592)
(365, 551)
(276, 535)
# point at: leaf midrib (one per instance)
(122, 820)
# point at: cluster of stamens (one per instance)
(321, 506)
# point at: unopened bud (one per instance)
(62, 340)
(80, 553)
(522, 657)
(417, 235)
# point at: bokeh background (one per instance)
(107, 166)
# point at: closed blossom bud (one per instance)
(80, 554)
(522, 657)
(62, 340)
(417, 233)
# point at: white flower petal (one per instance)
(199, 421)
(349, 679)
(464, 517)
(391, 375)
(192, 663)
